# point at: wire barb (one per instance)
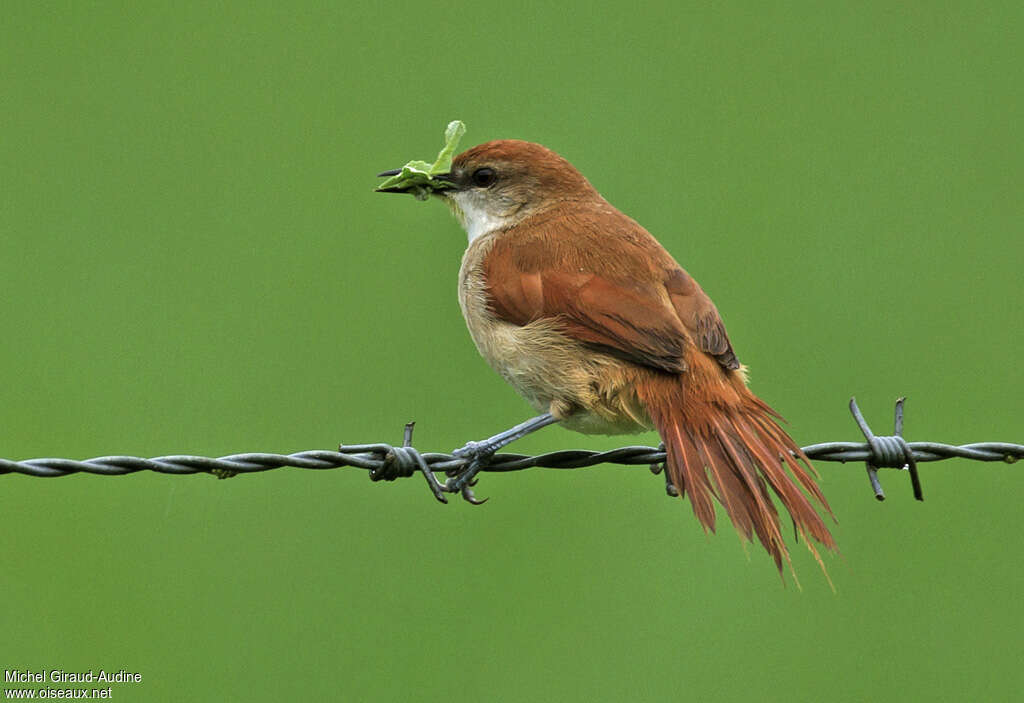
(387, 463)
(889, 452)
(403, 461)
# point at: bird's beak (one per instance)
(438, 188)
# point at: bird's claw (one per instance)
(467, 495)
(657, 468)
(463, 479)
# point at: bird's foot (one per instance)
(462, 480)
(657, 468)
(477, 455)
(670, 488)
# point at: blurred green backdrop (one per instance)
(193, 261)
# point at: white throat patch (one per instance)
(475, 219)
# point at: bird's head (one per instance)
(498, 184)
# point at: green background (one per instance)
(192, 260)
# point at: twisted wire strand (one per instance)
(374, 457)
(388, 462)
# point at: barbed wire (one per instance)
(386, 462)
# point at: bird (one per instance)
(584, 313)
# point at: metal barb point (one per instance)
(399, 462)
(888, 452)
(421, 464)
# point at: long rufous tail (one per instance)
(724, 442)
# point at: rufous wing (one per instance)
(610, 284)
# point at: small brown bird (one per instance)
(588, 317)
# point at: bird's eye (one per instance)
(484, 177)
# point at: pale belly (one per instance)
(581, 387)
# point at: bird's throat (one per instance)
(474, 217)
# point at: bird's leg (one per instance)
(480, 453)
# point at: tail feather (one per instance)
(770, 534)
(713, 457)
(690, 477)
(751, 517)
(724, 443)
